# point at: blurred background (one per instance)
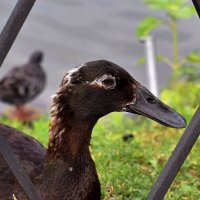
(73, 32)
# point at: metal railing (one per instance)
(176, 159)
(7, 37)
(180, 153)
(20, 175)
(13, 26)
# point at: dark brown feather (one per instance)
(27, 150)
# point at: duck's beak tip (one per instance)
(181, 122)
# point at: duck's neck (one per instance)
(69, 137)
(68, 163)
(68, 140)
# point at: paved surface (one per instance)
(75, 31)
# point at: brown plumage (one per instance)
(66, 171)
(23, 83)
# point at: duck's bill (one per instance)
(148, 105)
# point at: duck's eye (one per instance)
(108, 82)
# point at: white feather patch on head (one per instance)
(53, 95)
(99, 81)
(70, 73)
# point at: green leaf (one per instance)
(146, 26)
(179, 9)
(183, 13)
(179, 2)
(194, 57)
(157, 4)
(165, 4)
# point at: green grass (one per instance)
(128, 169)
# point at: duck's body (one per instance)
(71, 178)
(27, 150)
(22, 84)
(66, 171)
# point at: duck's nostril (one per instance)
(150, 100)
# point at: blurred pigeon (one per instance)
(22, 84)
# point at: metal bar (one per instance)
(17, 170)
(7, 37)
(13, 26)
(197, 6)
(151, 64)
(177, 159)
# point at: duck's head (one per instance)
(36, 57)
(97, 88)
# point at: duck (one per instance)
(22, 84)
(66, 170)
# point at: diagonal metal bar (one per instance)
(7, 37)
(13, 26)
(177, 159)
(197, 6)
(17, 170)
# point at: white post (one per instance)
(151, 65)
